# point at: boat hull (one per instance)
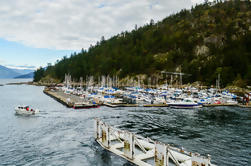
(185, 106)
(25, 112)
(85, 106)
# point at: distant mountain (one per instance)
(29, 75)
(7, 72)
(23, 71)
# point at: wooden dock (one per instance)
(69, 100)
(111, 105)
(155, 105)
(140, 150)
(134, 105)
(59, 98)
(218, 105)
(244, 106)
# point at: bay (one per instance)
(64, 136)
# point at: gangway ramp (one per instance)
(144, 151)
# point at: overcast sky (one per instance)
(46, 30)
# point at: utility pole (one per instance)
(180, 79)
(171, 81)
(176, 75)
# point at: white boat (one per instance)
(185, 103)
(26, 110)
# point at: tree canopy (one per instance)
(209, 39)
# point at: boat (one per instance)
(185, 103)
(26, 110)
(80, 105)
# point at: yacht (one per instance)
(185, 103)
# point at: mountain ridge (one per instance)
(6, 72)
(208, 40)
(29, 75)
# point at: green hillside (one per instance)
(209, 39)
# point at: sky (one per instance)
(34, 33)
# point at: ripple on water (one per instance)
(63, 136)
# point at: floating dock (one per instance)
(69, 100)
(58, 97)
(135, 105)
(219, 105)
(244, 106)
(144, 151)
(156, 105)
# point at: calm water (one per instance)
(63, 136)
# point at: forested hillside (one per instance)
(209, 39)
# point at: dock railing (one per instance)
(141, 151)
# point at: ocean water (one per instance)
(64, 136)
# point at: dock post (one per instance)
(198, 160)
(129, 145)
(105, 135)
(160, 155)
(97, 133)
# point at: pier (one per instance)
(144, 151)
(69, 100)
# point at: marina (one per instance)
(59, 135)
(139, 97)
(125, 83)
(107, 93)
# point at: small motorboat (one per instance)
(185, 103)
(26, 110)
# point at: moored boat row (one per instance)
(189, 97)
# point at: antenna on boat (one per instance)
(81, 82)
(218, 82)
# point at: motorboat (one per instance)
(26, 110)
(80, 105)
(185, 103)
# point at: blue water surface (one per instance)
(64, 136)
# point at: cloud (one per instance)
(22, 67)
(72, 25)
(1, 61)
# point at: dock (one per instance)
(244, 106)
(219, 105)
(144, 151)
(69, 100)
(156, 105)
(135, 105)
(58, 97)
